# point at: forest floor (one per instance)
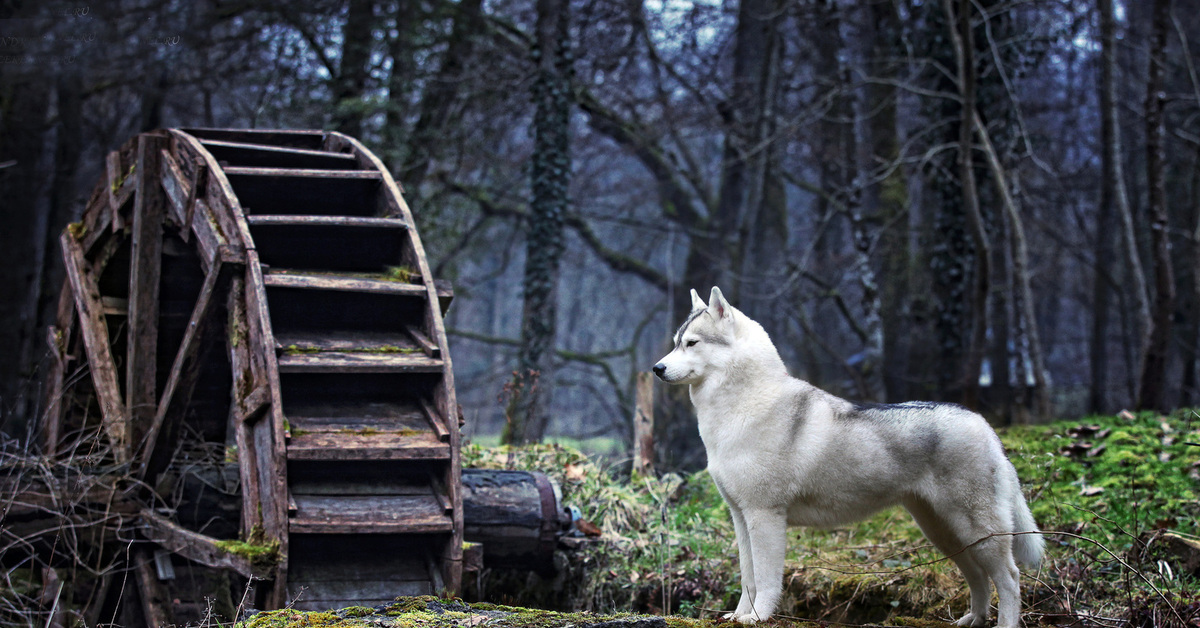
(432, 612)
(1117, 498)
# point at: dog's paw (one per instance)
(972, 620)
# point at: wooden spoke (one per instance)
(86, 295)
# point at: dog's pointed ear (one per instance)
(717, 304)
(697, 302)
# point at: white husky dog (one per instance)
(783, 452)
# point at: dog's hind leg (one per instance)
(941, 534)
(745, 565)
(767, 530)
(995, 556)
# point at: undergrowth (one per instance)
(1103, 490)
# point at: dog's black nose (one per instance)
(659, 369)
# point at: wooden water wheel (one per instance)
(266, 291)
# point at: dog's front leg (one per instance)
(745, 564)
(767, 530)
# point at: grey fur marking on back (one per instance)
(892, 412)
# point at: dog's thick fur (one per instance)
(783, 452)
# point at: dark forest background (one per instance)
(993, 202)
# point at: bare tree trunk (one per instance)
(48, 263)
(759, 253)
(1098, 398)
(438, 103)
(841, 181)
(402, 51)
(1026, 316)
(964, 47)
(745, 158)
(890, 197)
(550, 176)
(24, 102)
(351, 82)
(1112, 188)
(1152, 386)
(1190, 334)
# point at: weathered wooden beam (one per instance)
(202, 222)
(252, 406)
(57, 337)
(268, 434)
(156, 601)
(122, 184)
(173, 181)
(226, 213)
(437, 420)
(195, 546)
(115, 417)
(643, 426)
(426, 344)
(238, 336)
(199, 183)
(185, 370)
(141, 365)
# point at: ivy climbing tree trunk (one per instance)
(959, 24)
(550, 172)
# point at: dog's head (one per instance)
(702, 343)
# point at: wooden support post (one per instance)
(243, 379)
(94, 330)
(156, 602)
(268, 437)
(643, 426)
(144, 274)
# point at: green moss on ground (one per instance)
(432, 612)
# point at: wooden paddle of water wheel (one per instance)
(266, 291)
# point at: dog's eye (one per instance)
(692, 343)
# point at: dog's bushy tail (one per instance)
(1028, 544)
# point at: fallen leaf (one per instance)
(1127, 415)
(1091, 491)
(588, 528)
(1075, 449)
(574, 473)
